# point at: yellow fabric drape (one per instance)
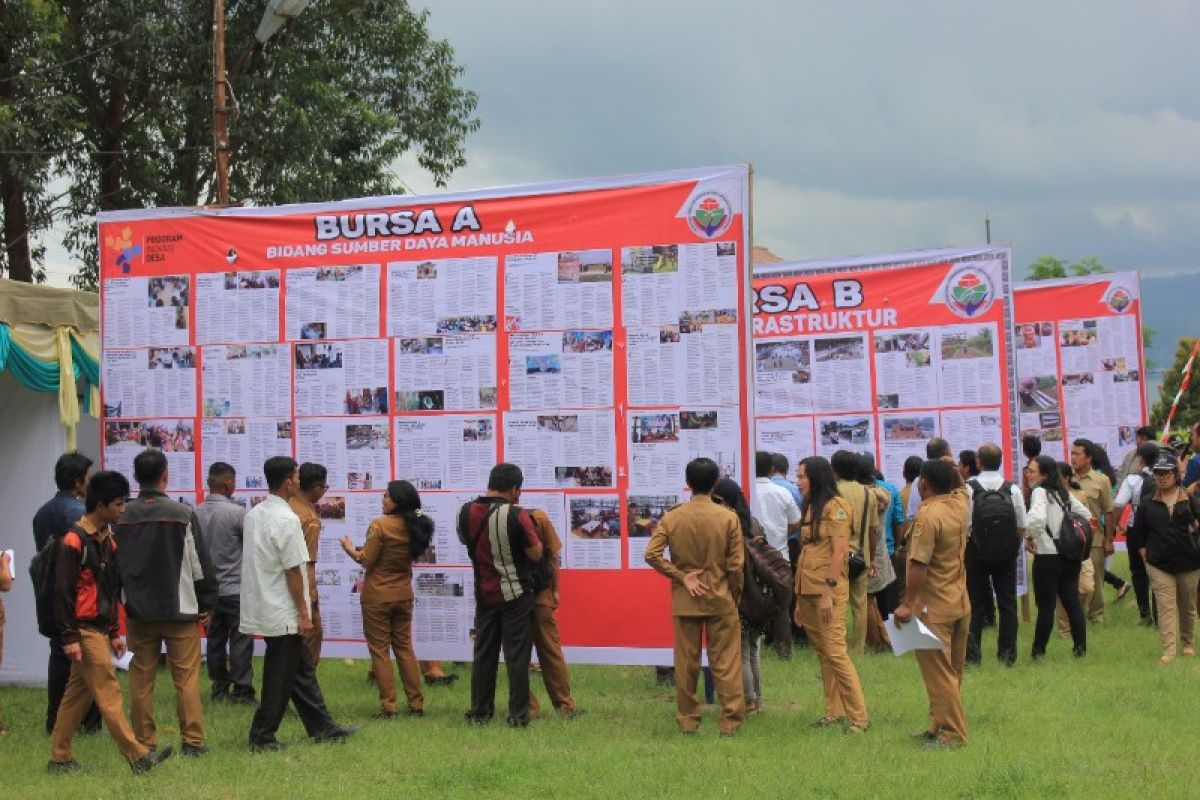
(53, 345)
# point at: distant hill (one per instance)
(1169, 306)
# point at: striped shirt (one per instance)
(496, 543)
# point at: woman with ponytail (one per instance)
(394, 540)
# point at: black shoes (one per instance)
(273, 746)
(440, 680)
(477, 719)
(517, 722)
(150, 760)
(63, 767)
(381, 714)
(335, 734)
(193, 750)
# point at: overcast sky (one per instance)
(872, 126)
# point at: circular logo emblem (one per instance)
(969, 292)
(709, 215)
(1118, 299)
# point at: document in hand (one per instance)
(122, 663)
(911, 636)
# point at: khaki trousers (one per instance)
(724, 658)
(942, 672)
(553, 663)
(388, 626)
(313, 639)
(93, 679)
(1095, 604)
(856, 640)
(145, 641)
(1087, 592)
(843, 691)
(431, 669)
(1176, 598)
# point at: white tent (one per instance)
(32, 437)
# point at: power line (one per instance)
(87, 151)
(59, 65)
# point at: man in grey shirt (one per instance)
(221, 519)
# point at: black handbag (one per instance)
(857, 563)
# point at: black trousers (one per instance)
(236, 668)
(1141, 582)
(508, 626)
(58, 672)
(288, 674)
(982, 578)
(1056, 578)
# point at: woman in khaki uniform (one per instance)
(823, 592)
(393, 541)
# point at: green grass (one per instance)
(1117, 724)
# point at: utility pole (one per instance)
(987, 228)
(220, 108)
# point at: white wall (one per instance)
(31, 440)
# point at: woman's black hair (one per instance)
(730, 495)
(1058, 477)
(1101, 464)
(408, 507)
(822, 487)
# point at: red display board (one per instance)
(1080, 367)
(597, 333)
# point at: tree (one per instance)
(35, 123)
(1188, 412)
(324, 110)
(1047, 267)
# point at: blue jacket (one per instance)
(56, 517)
(895, 516)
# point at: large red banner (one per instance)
(597, 333)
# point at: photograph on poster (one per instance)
(175, 358)
(697, 420)
(585, 266)
(595, 517)
(319, 356)
(649, 260)
(847, 431)
(331, 507)
(1038, 394)
(968, 345)
(839, 349)
(907, 428)
(653, 428)
(170, 291)
(645, 511)
(373, 437)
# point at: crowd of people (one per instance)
(822, 560)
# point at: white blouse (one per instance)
(1045, 518)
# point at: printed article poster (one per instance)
(562, 450)
(158, 382)
(571, 369)
(660, 283)
(354, 450)
(176, 438)
(854, 432)
(443, 509)
(970, 365)
(792, 436)
(783, 376)
(245, 444)
(1036, 351)
(345, 514)
(147, 311)
(905, 376)
(450, 295)
(683, 363)
(905, 435)
(558, 291)
(446, 451)
(840, 366)
(237, 306)
(348, 377)
(966, 429)
(339, 302)
(444, 608)
(553, 504)
(593, 535)
(445, 373)
(644, 512)
(662, 442)
(252, 380)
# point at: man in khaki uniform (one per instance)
(936, 591)
(864, 532)
(304, 503)
(545, 626)
(705, 569)
(1095, 492)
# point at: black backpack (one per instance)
(768, 581)
(41, 576)
(994, 523)
(1074, 540)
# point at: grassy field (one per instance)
(1117, 724)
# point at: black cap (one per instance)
(1166, 462)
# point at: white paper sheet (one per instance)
(911, 636)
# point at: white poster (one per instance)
(333, 302)
(450, 295)
(446, 451)
(176, 438)
(354, 450)
(556, 291)
(245, 444)
(158, 382)
(571, 369)
(146, 311)
(247, 380)
(348, 377)
(445, 373)
(661, 443)
(562, 450)
(237, 306)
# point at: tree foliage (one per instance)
(1047, 267)
(1188, 412)
(324, 109)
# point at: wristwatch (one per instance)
(831, 583)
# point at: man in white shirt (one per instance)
(1128, 495)
(775, 508)
(984, 573)
(275, 606)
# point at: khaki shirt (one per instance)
(855, 494)
(387, 559)
(1095, 492)
(939, 541)
(310, 523)
(817, 548)
(702, 536)
(550, 544)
